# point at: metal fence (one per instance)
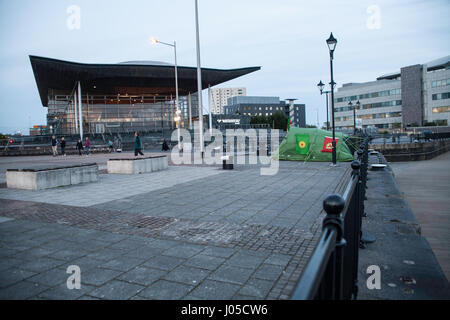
(332, 271)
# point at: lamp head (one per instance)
(320, 85)
(331, 42)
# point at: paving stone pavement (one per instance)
(191, 233)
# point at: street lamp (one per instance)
(199, 80)
(357, 106)
(350, 104)
(178, 111)
(321, 86)
(332, 42)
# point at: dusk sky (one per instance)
(286, 38)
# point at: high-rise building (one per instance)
(414, 96)
(219, 97)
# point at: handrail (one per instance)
(332, 271)
(311, 276)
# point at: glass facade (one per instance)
(118, 113)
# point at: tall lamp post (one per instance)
(331, 42)
(178, 111)
(199, 80)
(357, 106)
(321, 86)
(352, 107)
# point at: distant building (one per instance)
(266, 106)
(39, 130)
(411, 97)
(120, 98)
(219, 97)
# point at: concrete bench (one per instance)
(40, 178)
(137, 165)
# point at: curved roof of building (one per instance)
(135, 77)
(146, 63)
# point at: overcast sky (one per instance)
(285, 37)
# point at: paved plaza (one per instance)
(190, 232)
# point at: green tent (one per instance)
(302, 144)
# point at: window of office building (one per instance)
(370, 95)
(441, 109)
(440, 83)
(441, 96)
(443, 122)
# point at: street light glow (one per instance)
(154, 40)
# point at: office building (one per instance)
(416, 95)
(267, 106)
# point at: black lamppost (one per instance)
(350, 104)
(321, 86)
(331, 42)
(357, 106)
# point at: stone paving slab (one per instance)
(110, 187)
(172, 251)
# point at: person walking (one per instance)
(87, 145)
(111, 146)
(54, 146)
(165, 146)
(63, 146)
(137, 145)
(79, 146)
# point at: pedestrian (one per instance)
(54, 146)
(165, 146)
(111, 146)
(79, 146)
(137, 145)
(63, 146)
(87, 145)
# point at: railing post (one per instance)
(363, 173)
(333, 206)
(357, 218)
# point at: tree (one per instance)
(278, 121)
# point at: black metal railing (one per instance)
(332, 271)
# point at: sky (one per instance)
(287, 38)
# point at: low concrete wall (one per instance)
(137, 165)
(16, 151)
(47, 178)
(412, 151)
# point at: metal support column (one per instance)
(80, 110)
(190, 111)
(75, 99)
